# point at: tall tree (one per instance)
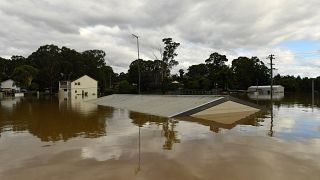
(181, 74)
(249, 71)
(168, 59)
(168, 56)
(3, 68)
(25, 74)
(47, 59)
(218, 70)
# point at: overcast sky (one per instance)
(288, 29)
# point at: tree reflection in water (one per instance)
(50, 120)
(168, 127)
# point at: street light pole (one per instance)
(137, 37)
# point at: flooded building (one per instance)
(9, 86)
(83, 87)
(266, 89)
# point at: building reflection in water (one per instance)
(265, 97)
(253, 120)
(51, 119)
(168, 125)
(9, 102)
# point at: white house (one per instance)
(9, 86)
(83, 87)
(266, 89)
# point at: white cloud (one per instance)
(230, 27)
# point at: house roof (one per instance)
(81, 77)
(7, 80)
(9, 83)
(84, 76)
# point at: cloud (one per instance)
(230, 27)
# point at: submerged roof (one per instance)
(161, 105)
(210, 108)
(226, 113)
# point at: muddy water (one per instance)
(50, 139)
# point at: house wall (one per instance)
(9, 85)
(88, 87)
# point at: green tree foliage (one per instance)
(168, 61)
(3, 69)
(197, 77)
(181, 74)
(219, 73)
(150, 72)
(197, 71)
(248, 72)
(7, 66)
(48, 60)
(25, 74)
(169, 54)
(297, 84)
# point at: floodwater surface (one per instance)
(48, 138)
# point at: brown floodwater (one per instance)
(47, 138)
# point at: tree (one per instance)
(48, 60)
(25, 74)
(197, 71)
(149, 72)
(248, 72)
(181, 73)
(216, 61)
(168, 59)
(218, 70)
(169, 54)
(3, 69)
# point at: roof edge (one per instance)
(217, 102)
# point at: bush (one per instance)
(108, 92)
(126, 88)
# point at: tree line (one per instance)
(44, 68)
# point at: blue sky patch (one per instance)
(300, 46)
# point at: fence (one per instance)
(194, 92)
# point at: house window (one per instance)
(78, 83)
(75, 91)
(75, 83)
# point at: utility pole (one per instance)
(271, 57)
(137, 37)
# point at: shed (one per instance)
(266, 89)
